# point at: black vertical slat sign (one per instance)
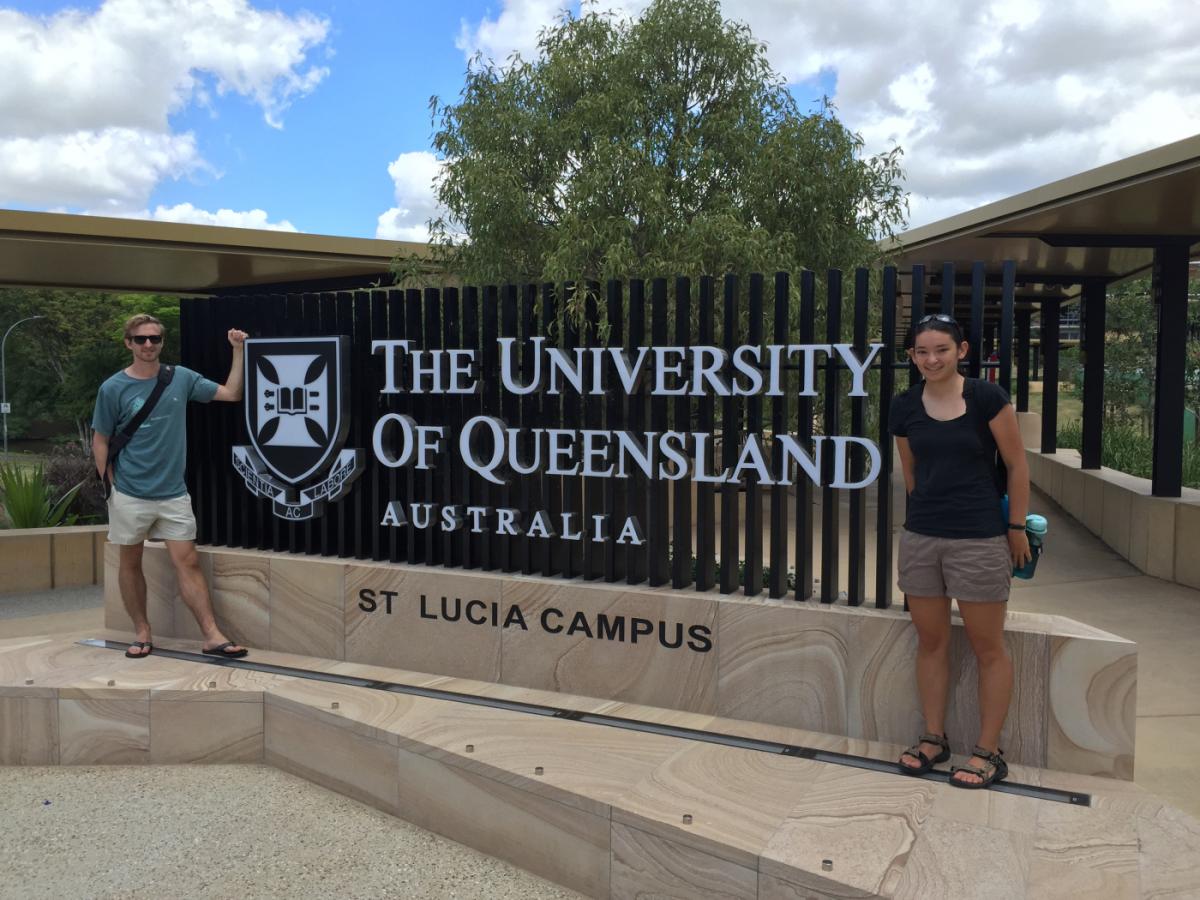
(658, 535)
(189, 335)
(830, 512)
(571, 419)
(343, 511)
(362, 405)
(452, 404)
(752, 582)
(402, 404)
(552, 485)
(883, 487)
(205, 500)
(511, 548)
(327, 524)
(681, 563)
(272, 309)
(856, 575)
(378, 486)
(615, 504)
(286, 325)
(534, 550)
(678, 519)
(636, 556)
(779, 513)
(706, 533)
(593, 490)
(471, 484)
(804, 433)
(222, 427)
(432, 329)
(294, 532)
(309, 324)
(414, 333)
(917, 313)
(489, 377)
(975, 360)
(730, 428)
(264, 525)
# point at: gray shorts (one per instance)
(971, 570)
(132, 520)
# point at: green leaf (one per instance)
(28, 499)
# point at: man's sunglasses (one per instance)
(142, 338)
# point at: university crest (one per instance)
(296, 392)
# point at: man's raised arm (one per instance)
(231, 390)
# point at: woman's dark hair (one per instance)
(934, 322)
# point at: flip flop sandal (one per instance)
(995, 769)
(145, 646)
(224, 651)
(926, 763)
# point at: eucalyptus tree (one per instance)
(660, 145)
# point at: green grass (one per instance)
(27, 462)
(1070, 407)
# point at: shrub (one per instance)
(1126, 449)
(69, 465)
(29, 500)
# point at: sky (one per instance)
(314, 116)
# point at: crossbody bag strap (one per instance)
(118, 441)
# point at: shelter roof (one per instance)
(1103, 223)
(92, 252)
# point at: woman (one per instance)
(956, 541)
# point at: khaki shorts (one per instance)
(971, 570)
(132, 520)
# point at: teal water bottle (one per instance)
(1035, 530)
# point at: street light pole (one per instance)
(4, 380)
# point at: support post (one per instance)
(1022, 321)
(1093, 372)
(1007, 301)
(1050, 375)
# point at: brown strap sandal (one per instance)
(926, 763)
(995, 769)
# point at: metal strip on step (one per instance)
(1074, 798)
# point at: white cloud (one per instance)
(103, 170)
(515, 28)
(986, 98)
(413, 175)
(85, 97)
(228, 218)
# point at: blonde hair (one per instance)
(142, 319)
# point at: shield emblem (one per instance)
(296, 397)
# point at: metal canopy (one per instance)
(1104, 223)
(1070, 239)
(56, 250)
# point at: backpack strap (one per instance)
(118, 441)
(975, 406)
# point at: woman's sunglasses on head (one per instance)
(937, 317)
(142, 338)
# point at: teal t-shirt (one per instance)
(152, 464)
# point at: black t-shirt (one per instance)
(955, 495)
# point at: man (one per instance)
(149, 498)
